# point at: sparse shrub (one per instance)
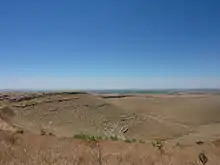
(159, 144)
(203, 158)
(130, 140)
(114, 137)
(42, 132)
(80, 136)
(88, 137)
(127, 141)
(99, 156)
(94, 138)
(141, 141)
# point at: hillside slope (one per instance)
(66, 114)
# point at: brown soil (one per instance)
(189, 125)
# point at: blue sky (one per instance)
(140, 41)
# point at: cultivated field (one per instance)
(81, 128)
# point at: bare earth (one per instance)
(39, 128)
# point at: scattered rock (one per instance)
(19, 131)
(125, 130)
(54, 109)
(102, 105)
(51, 134)
(42, 132)
(199, 142)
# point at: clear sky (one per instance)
(109, 44)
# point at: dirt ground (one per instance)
(198, 114)
(186, 126)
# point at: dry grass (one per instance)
(124, 121)
(26, 149)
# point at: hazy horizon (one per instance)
(66, 83)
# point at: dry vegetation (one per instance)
(79, 128)
(20, 149)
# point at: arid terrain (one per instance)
(83, 128)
